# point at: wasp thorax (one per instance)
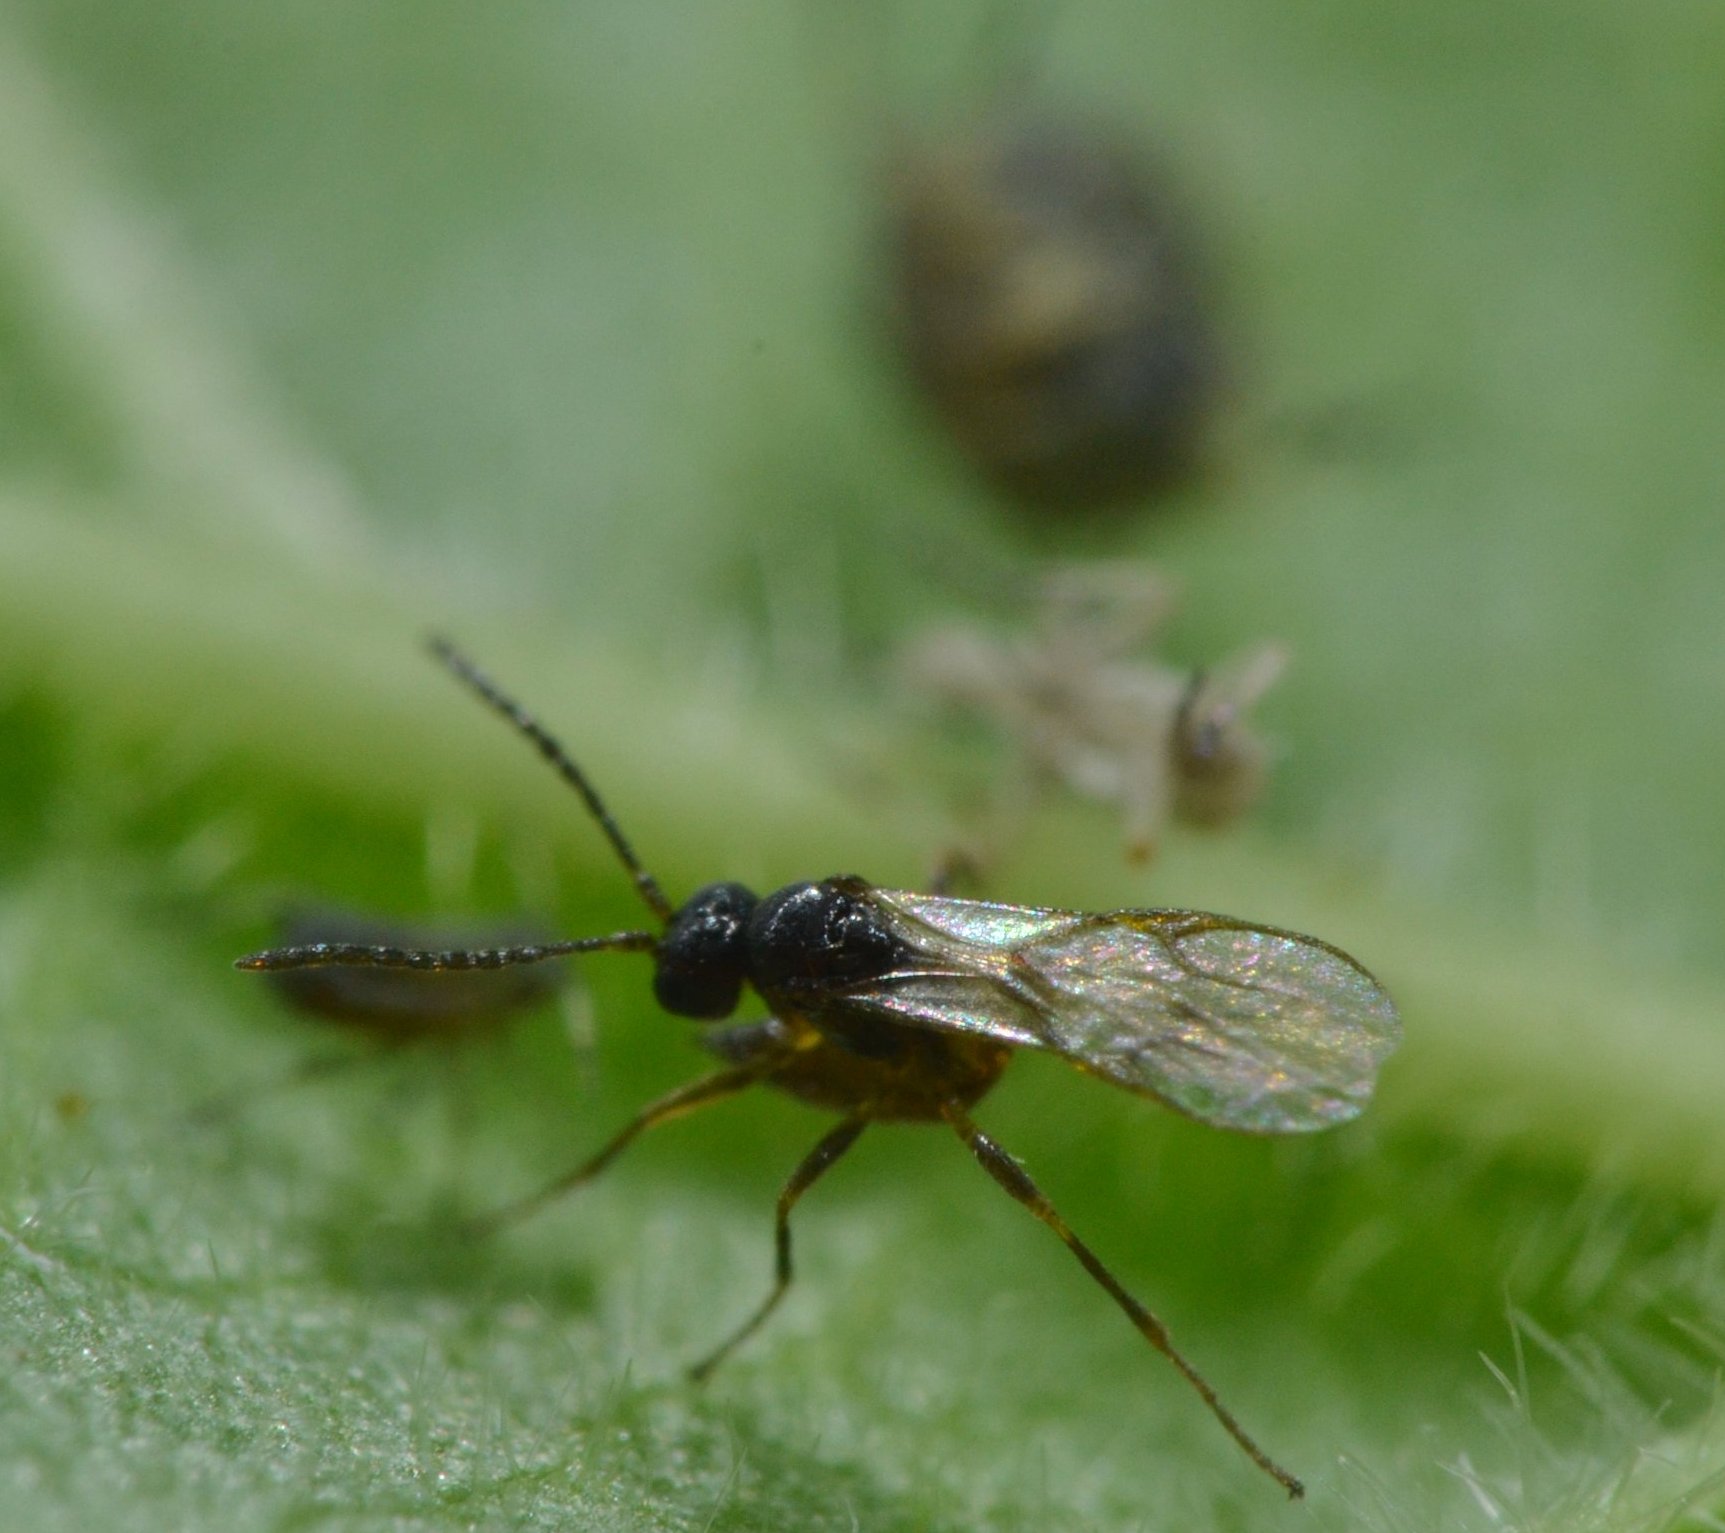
(825, 933)
(703, 959)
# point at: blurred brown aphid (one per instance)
(1082, 705)
(891, 1006)
(391, 1008)
(1045, 299)
(399, 1006)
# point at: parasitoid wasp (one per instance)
(891, 1006)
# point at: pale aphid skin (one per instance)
(1221, 763)
(1080, 700)
(887, 1005)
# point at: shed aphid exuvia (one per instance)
(892, 1006)
(1082, 700)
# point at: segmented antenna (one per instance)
(645, 884)
(356, 955)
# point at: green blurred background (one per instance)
(552, 326)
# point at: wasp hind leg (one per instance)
(815, 1164)
(1015, 1181)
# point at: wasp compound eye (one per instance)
(703, 959)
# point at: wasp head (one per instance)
(703, 958)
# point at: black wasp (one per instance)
(889, 1006)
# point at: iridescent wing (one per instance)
(1240, 1026)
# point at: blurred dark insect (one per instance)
(1081, 704)
(1045, 299)
(392, 1008)
(395, 1006)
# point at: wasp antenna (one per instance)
(548, 747)
(354, 955)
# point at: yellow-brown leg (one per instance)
(685, 1099)
(814, 1165)
(1013, 1178)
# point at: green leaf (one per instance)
(324, 327)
